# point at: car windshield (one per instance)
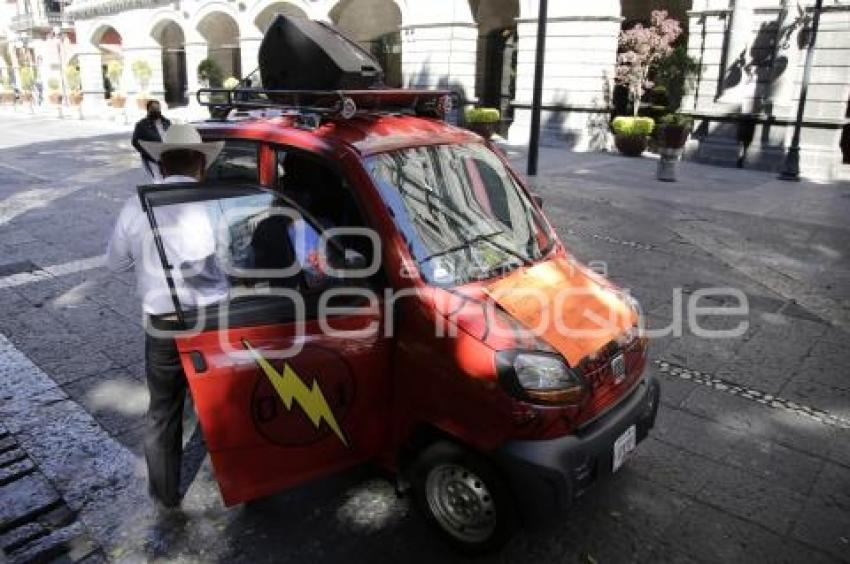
(461, 212)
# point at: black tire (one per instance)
(475, 513)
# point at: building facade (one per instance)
(749, 54)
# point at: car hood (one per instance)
(557, 304)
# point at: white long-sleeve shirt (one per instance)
(188, 236)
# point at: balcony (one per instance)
(29, 22)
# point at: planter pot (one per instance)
(142, 102)
(75, 98)
(54, 98)
(668, 163)
(672, 136)
(484, 129)
(27, 97)
(630, 145)
(7, 97)
(117, 101)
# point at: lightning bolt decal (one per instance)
(289, 387)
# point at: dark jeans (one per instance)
(164, 433)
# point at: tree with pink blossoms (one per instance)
(641, 49)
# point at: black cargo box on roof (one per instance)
(301, 54)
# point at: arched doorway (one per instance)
(264, 19)
(496, 61)
(108, 41)
(376, 25)
(170, 37)
(221, 33)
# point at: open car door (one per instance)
(285, 392)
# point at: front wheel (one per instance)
(464, 498)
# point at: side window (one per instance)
(238, 162)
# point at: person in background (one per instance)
(150, 128)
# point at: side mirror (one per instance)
(538, 199)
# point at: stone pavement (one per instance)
(750, 460)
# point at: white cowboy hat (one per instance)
(183, 136)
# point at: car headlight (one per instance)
(546, 378)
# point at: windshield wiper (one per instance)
(464, 245)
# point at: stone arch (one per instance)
(108, 42)
(266, 15)
(495, 68)
(221, 32)
(376, 25)
(171, 39)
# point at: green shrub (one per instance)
(210, 73)
(27, 78)
(114, 71)
(677, 120)
(72, 77)
(231, 82)
(142, 71)
(627, 125)
(53, 83)
(483, 115)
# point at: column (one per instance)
(735, 84)
(91, 83)
(249, 48)
(581, 52)
(195, 53)
(438, 47)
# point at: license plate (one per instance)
(624, 444)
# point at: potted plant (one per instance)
(631, 134)
(53, 93)
(672, 134)
(483, 121)
(114, 71)
(142, 73)
(72, 79)
(27, 84)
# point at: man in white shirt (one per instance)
(188, 238)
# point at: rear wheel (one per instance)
(463, 497)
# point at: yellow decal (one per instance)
(289, 386)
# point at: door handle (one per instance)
(198, 361)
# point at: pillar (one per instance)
(196, 51)
(439, 42)
(581, 52)
(91, 83)
(735, 84)
(249, 48)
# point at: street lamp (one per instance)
(537, 94)
(791, 168)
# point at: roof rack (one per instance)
(329, 103)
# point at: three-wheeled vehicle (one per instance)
(397, 296)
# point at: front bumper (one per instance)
(546, 476)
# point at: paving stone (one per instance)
(11, 456)
(115, 398)
(21, 535)
(15, 471)
(71, 540)
(711, 535)
(761, 422)
(671, 467)
(754, 499)
(24, 498)
(833, 398)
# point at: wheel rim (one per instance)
(461, 502)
